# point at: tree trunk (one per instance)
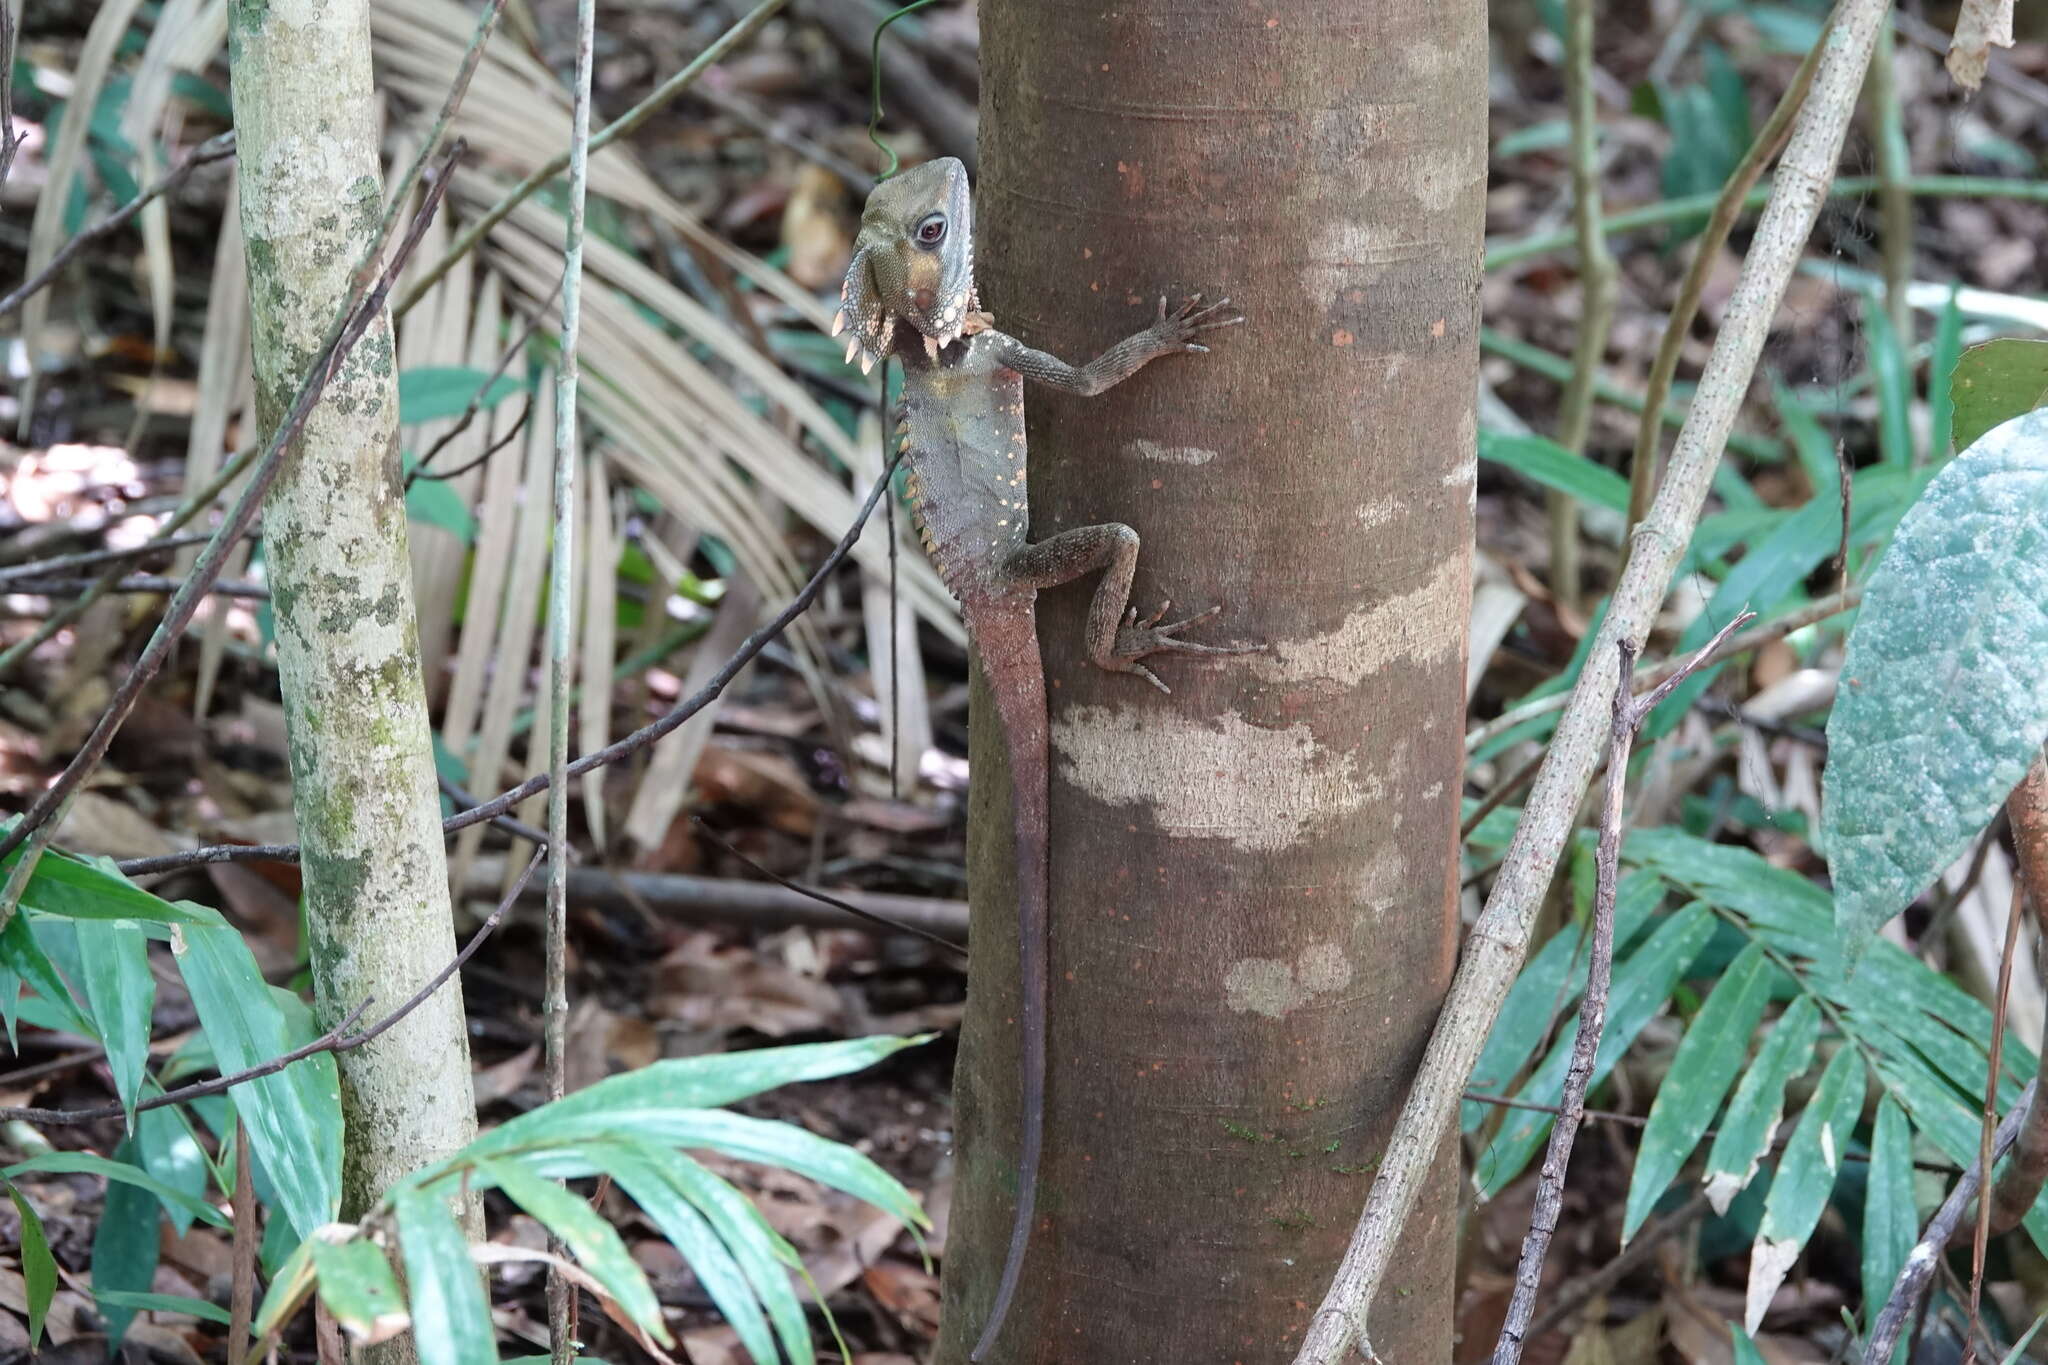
(363, 786)
(1254, 882)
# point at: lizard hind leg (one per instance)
(1116, 638)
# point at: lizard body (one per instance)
(910, 290)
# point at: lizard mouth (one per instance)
(939, 315)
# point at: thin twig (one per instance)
(217, 148)
(1642, 475)
(1649, 675)
(518, 425)
(93, 559)
(1927, 1253)
(242, 1253)
(1628, 717)
(192, 506)
(1980, 1239)
(1582, 1291)
(359, 311)
(2021, 1181)
(611, 753)
(894, 926)
(561, 632)
(10, 141)
(555, 165)
(136, 583)
(476, 400)
(1597, 277)
(512, 825)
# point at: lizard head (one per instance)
(913, 260)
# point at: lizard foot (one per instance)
(1177, 331)
(1136, 639)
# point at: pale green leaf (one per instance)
(1805, 1178)
(1944, 691)
(38, 1266)
(121, 992)
(1641, 986)
(293, 1116)
(1752, 1117)
(1547, 463)
(588, 1238)
(1705, 1065)
(451, 1319)
(1891, 1218)
(1551, 982)
(135, 1300)
(432, 392)
(88, 1163)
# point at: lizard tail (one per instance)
(1007, 640)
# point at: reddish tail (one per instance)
(1006, 638)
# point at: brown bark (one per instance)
(1254, 886)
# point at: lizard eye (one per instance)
(932, 230)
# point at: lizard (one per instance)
(909, 290)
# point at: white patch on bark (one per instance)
(1422, 625)
(1378, 512)
(1260, 788)
(1276, 988)
(1165, 454)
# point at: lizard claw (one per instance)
(1137, 639)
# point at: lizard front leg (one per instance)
(1116, 638)
(1171, 334)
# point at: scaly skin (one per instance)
(910, 290)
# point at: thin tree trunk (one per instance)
(334, 531)
(1254, 891)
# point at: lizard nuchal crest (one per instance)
(909, 290)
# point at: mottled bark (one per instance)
(1253, 885)
(334, 530)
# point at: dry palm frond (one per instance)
(46, 232)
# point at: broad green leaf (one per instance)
(119, 1172)
(1552, 982)
(1705, 1065)
(1641, 986)
(358, 1287)
(591, 1240)
(1994, 383)
(685, 1083)
(137, 1301)
(433, 392)
(26, 959)
(1759, 1102)
(435, 502)
(451, 1320)
(1547, 463)
(1941, 371)
(169, 1151)
(38, 1266)
(1891, 1218)
(1805, 1178)
(114, 956)
(293, 1116)
(124, 1245)
(1944, 691)
(641, 1171)
(69, 886)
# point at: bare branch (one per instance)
(217, 148)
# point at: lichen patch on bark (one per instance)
(1420, 626)
(1260, 788)
(1276, 988)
